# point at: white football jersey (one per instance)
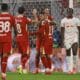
(71, 30)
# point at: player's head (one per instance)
(41, 15)
(46, 11)
(69, 12)
(4, 7)
(21, 10)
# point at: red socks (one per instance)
(24, 59)
(44, 61)
(4, 64)
(49, 63)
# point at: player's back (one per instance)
(6, 24)
(21, 26)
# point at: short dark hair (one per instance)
(4, 7)
(70, 10)
(21, 10)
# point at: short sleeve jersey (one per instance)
(7, 21)
(70, 26)
(21, 27)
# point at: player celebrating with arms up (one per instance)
(69, 31)
(43, 49)
(6, 23)
(22, 37)
(49, 34)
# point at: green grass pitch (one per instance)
(41, 76)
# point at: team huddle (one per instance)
(19, 24)
(69, 35)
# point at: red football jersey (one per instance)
(50, 17)
(49, 27)
(41, 29)
(21, 26)
(40, 35)
(48, 38)
(6, 23)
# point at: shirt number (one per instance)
(18, 28)
(4, 26)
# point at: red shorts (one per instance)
(5, 47)
(48, 45)
(22, 46)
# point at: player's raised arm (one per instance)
(53, 22)
(35, 17)
(34, 12)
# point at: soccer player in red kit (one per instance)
(6, 23)
(22, 37)
(40, 46)
(39, 41)
(49, 26)
(49, 40)
(48, 30)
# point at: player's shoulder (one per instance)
(12, 17)
(6, 16)
(76, 19)
(25, 18)
(50, 17)
(19, 17)
(64, 19)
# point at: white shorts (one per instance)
(68, 42)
